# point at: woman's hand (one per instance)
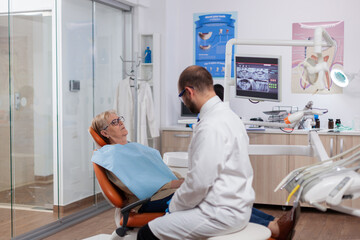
(176, 183)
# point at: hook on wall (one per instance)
(132, 72)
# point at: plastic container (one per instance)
(147, 55)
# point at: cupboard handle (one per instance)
(341, 145)
(182, 135)
(331, 147)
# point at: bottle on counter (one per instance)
(331, 123)
(338, 123)
(317, 121)
(147, 55)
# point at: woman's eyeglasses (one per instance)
(115, 122)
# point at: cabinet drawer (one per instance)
(176, 141)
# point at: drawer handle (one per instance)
(182, 135)
(331, 147)
(341, 145)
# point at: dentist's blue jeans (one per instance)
(161, 205)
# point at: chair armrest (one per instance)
(133, 205)
(125, 212)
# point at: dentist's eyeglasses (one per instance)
(183, 92)
(115, 122)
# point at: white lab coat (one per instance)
(124, 105)
(216, 197)
(146, 115)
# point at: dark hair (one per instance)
(219, 90)
(197, 77)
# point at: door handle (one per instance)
(341, 145)
(331, 147)
(17, 100)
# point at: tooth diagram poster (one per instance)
(334, 56)
(211, 33)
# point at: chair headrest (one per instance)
(98, 140)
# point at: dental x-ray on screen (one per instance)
(258, 77)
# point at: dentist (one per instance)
(216, 197)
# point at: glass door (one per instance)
(26, 124)
(5, 170)
(45, 151)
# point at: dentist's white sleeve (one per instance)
(207, 151)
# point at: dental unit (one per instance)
(327, 183)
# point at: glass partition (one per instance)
(56, 73)
(26, 119)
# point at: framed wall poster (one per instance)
(211, 33)
(334, 56)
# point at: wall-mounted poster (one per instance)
(211, 33)
(334, 56)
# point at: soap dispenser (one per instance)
(147, 55)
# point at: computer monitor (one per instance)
(258, 77)
(185, 112)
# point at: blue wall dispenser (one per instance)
(147, 55)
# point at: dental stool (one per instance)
(251, 232)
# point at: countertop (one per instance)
(271, 130)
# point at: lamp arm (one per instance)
(317, 43)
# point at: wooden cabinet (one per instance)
(175, 141)
(328, 141)
(269, 170)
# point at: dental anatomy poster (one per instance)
(333, 56)
(211, 33)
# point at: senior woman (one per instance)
(110, 127)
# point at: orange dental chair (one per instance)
(116, 198)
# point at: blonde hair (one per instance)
(99, 123)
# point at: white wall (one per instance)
(76, 181)
(149, 20)
(259, 19)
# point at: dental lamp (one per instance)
(343, 78)
(339, 77)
